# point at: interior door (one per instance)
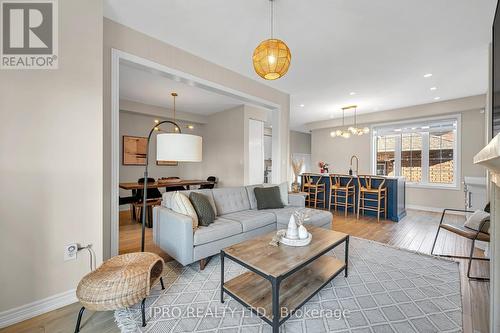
(255, 151)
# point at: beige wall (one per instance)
(337, 151)
(51, 162)
(223, 147)
(128, 40)
(300, 143)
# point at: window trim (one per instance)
(457, 158)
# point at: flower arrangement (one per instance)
(323, 167)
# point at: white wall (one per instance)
(300, 143)
(223, 147)
(51, 163)
(337, 151)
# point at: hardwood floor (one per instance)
(415, 232)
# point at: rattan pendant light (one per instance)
(271, 58)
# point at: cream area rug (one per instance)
(388, 290)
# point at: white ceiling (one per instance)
(379, 49)
(150, 87)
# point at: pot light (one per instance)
(302, 105)
(437, 98)
(190, 127)
(427, 75)
(433, 88)
(352, 93)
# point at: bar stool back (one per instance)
(372, 189)
(342, 187)
(313, 188)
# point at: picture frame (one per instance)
(134, 150)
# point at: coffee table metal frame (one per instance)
(277, 321)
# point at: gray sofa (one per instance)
(237, 219)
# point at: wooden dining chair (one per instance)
(372, 189)
(474, 235)
(342, 187)
(313, 188)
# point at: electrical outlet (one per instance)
(70, 251)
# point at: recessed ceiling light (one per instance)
(352, 93)
(425, 127)
(433, 88)
(437, 97)
(302, 105)
(427, 75)
(190, 127)
(397, 130)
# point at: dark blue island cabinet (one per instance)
(396, 188)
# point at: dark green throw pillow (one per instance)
(268, 197)
(203, 208)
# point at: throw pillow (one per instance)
(181, 204)
(203, 208)
(283, 191)
(474, 221)
(268, 197)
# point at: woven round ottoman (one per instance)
(120, 282)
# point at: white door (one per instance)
(255, 151)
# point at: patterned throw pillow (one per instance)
(268, 197)
(203, 208)
(181, 204)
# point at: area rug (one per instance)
(388, 290)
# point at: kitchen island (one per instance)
(396, 188)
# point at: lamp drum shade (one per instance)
(178, 147)
(271, 59)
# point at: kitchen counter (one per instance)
(396, 194)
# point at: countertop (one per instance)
(328, 174)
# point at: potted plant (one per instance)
(296, 166)
(323, 167)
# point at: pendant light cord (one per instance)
(272, 18)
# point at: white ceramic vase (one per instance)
(292, 231)
(303, 234)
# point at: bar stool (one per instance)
(367, 185)
(313, 188)
(342, 187)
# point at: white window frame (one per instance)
(425, 152)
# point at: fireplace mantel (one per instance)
(489, 157)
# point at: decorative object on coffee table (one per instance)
(120, 282)
(282, 277)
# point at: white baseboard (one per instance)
(37, 308)
(432, 209)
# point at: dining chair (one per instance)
(153, 199)
(210, 186)
(372, 189)
(313, 188)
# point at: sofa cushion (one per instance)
(284, 188)
(219, 229)
(182, 205)
(203, 208)
(167, 197)
(230, 199)
(252, 219)
(251, 195)
(268, 197)
(317, 217)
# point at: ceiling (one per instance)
(378, 49)
(150, 87)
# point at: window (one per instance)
(423, 152)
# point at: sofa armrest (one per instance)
(173, 233)
(297, 200)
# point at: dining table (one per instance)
(164, 184)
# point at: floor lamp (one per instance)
(169, 147)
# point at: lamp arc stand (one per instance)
(145, 190)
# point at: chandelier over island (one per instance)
(352, 130)
(271, 58)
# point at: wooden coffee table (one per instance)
(282, 279)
